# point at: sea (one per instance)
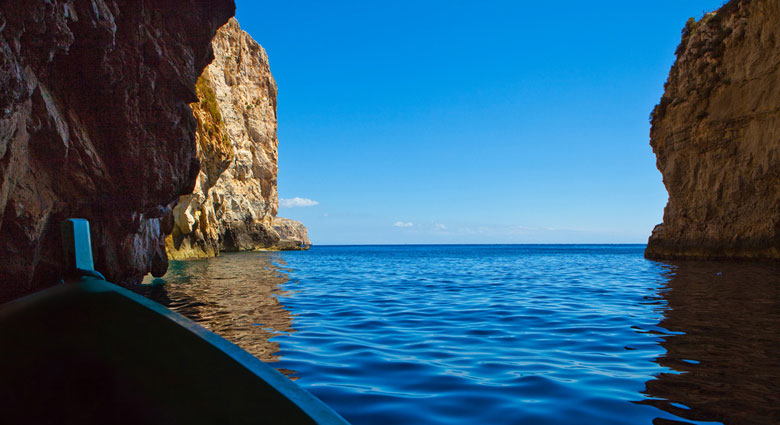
(499, 334)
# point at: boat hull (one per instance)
(92, 352)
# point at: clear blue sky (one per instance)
(470, 121)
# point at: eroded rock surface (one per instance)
(292, 234)
(95, 123)
(234, 204)
(716, 134)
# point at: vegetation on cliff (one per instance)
(234, 204)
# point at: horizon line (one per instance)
(483, 244)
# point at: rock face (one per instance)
(292, 234)
(234, 204)
(716, 134)
(95, 123)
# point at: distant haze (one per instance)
(466, 122)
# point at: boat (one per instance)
(87, 351)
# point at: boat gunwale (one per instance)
(316, 409)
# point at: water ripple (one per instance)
(499, 334)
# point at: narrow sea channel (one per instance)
(500, 334)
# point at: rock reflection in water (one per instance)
(727, 355)
(231, 296)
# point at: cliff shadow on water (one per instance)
(723, 351)
(230, 296)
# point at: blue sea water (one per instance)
(510, 334)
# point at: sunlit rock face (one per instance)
(234, 204)
(716, 134)
(95, 123)
(292, 234)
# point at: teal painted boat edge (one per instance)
(313, 407)
(307, 402)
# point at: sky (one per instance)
(436, 122)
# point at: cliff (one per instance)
(716, 134)
(234, 204)
(292, 234)
(95, 122)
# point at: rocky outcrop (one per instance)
(716, 133)
(292, 234)
(95, 123)
(234, 204)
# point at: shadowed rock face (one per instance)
(234, 204)
(95, 123)
(716, 134)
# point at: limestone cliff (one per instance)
(292, 234)
(95, 122)
(716, 133)
(234, 204)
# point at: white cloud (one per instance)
(440, 226)
(402, 224)
(297, 202)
